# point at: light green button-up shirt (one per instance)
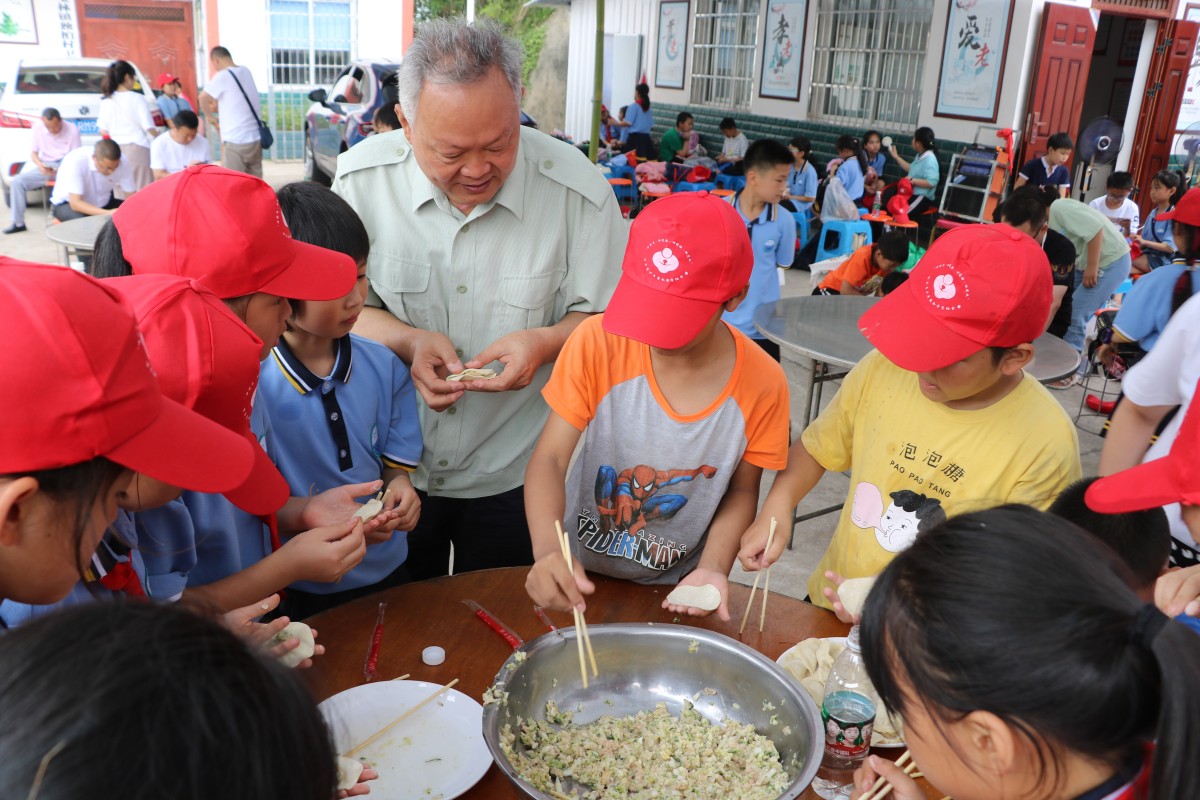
(550, 242)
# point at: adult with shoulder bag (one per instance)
(244, 135)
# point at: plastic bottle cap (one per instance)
(433, 656)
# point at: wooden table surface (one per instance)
(432, 613)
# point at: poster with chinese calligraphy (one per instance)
(17, 25)
(781, 60)
(973, 59)
(670, 65)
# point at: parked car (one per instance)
(72, 85)
(341, 117)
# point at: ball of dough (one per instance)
(348, 772)
(705, 598)
(308, 645)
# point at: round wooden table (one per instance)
(433, 613)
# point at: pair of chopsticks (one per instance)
(762, 618)
(882, 787)
(375, 736)
(581, 631)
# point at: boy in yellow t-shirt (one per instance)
(940, 418)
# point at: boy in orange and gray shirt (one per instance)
(863, 272)
(681, 413)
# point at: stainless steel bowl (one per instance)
(642, 665)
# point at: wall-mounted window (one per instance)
(723, 53)
(870, 61)
(311, 41)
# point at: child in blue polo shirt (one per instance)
(1050, 169)
(343, 407)
(772, 232)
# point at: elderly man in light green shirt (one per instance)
(490, 243)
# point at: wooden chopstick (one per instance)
(400, 718)
(582, 639)
(882, 787)
(762, 617)
(754, 588)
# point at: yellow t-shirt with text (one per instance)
(912, 461)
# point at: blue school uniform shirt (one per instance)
(343, 428)
(202, 538)
(1160, 232)
(773, 237)
(1035, 172)
(170, 106)
(1147, 308)
(851, 176)
(802, 183)
(640, 120)
(123, 550)
(877, 163)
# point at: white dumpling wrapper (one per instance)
(369, 509)
(705, 598)
(853, 594)
(349, 770)
(308, 644)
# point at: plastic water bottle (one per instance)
(878, 204)
(848, 716)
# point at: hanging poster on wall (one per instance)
(782, 57)
(670, 64)
(17, 25)
(973, 59)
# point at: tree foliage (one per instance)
(525, 25)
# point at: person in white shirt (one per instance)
(86, 180)
(733, 148)
(232, 91)
(53, 138)
(1116, 205)
(180, 148)
(125, 118)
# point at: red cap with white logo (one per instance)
(977, 286)
(688, 254)
(225, 229)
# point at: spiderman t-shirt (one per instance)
(648, 481)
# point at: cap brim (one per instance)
(1148, 485)
(184, 449)
(264, 491)
(900, 327)
(314, 273)
(661, 320)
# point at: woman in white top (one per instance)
(125, 118)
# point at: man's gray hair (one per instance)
(453, 51)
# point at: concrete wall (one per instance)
(620, 16)
(546, 94)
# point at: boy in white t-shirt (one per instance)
(1117, 206)
(180, 148)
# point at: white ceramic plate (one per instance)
(436, 754)
(875, 739)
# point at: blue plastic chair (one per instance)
(684, 186)
(845, 231)
(801, 227)
(734, 183)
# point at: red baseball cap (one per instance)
(165, 78)
(1187, 210)
(207, 360)
(977, 286)
(226, 230)
(687, 255)
(1170, 479)
(78, 385)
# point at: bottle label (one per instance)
(847, 738)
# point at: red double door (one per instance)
(156, 36)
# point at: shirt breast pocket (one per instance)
(528, 300)
(403, 286)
